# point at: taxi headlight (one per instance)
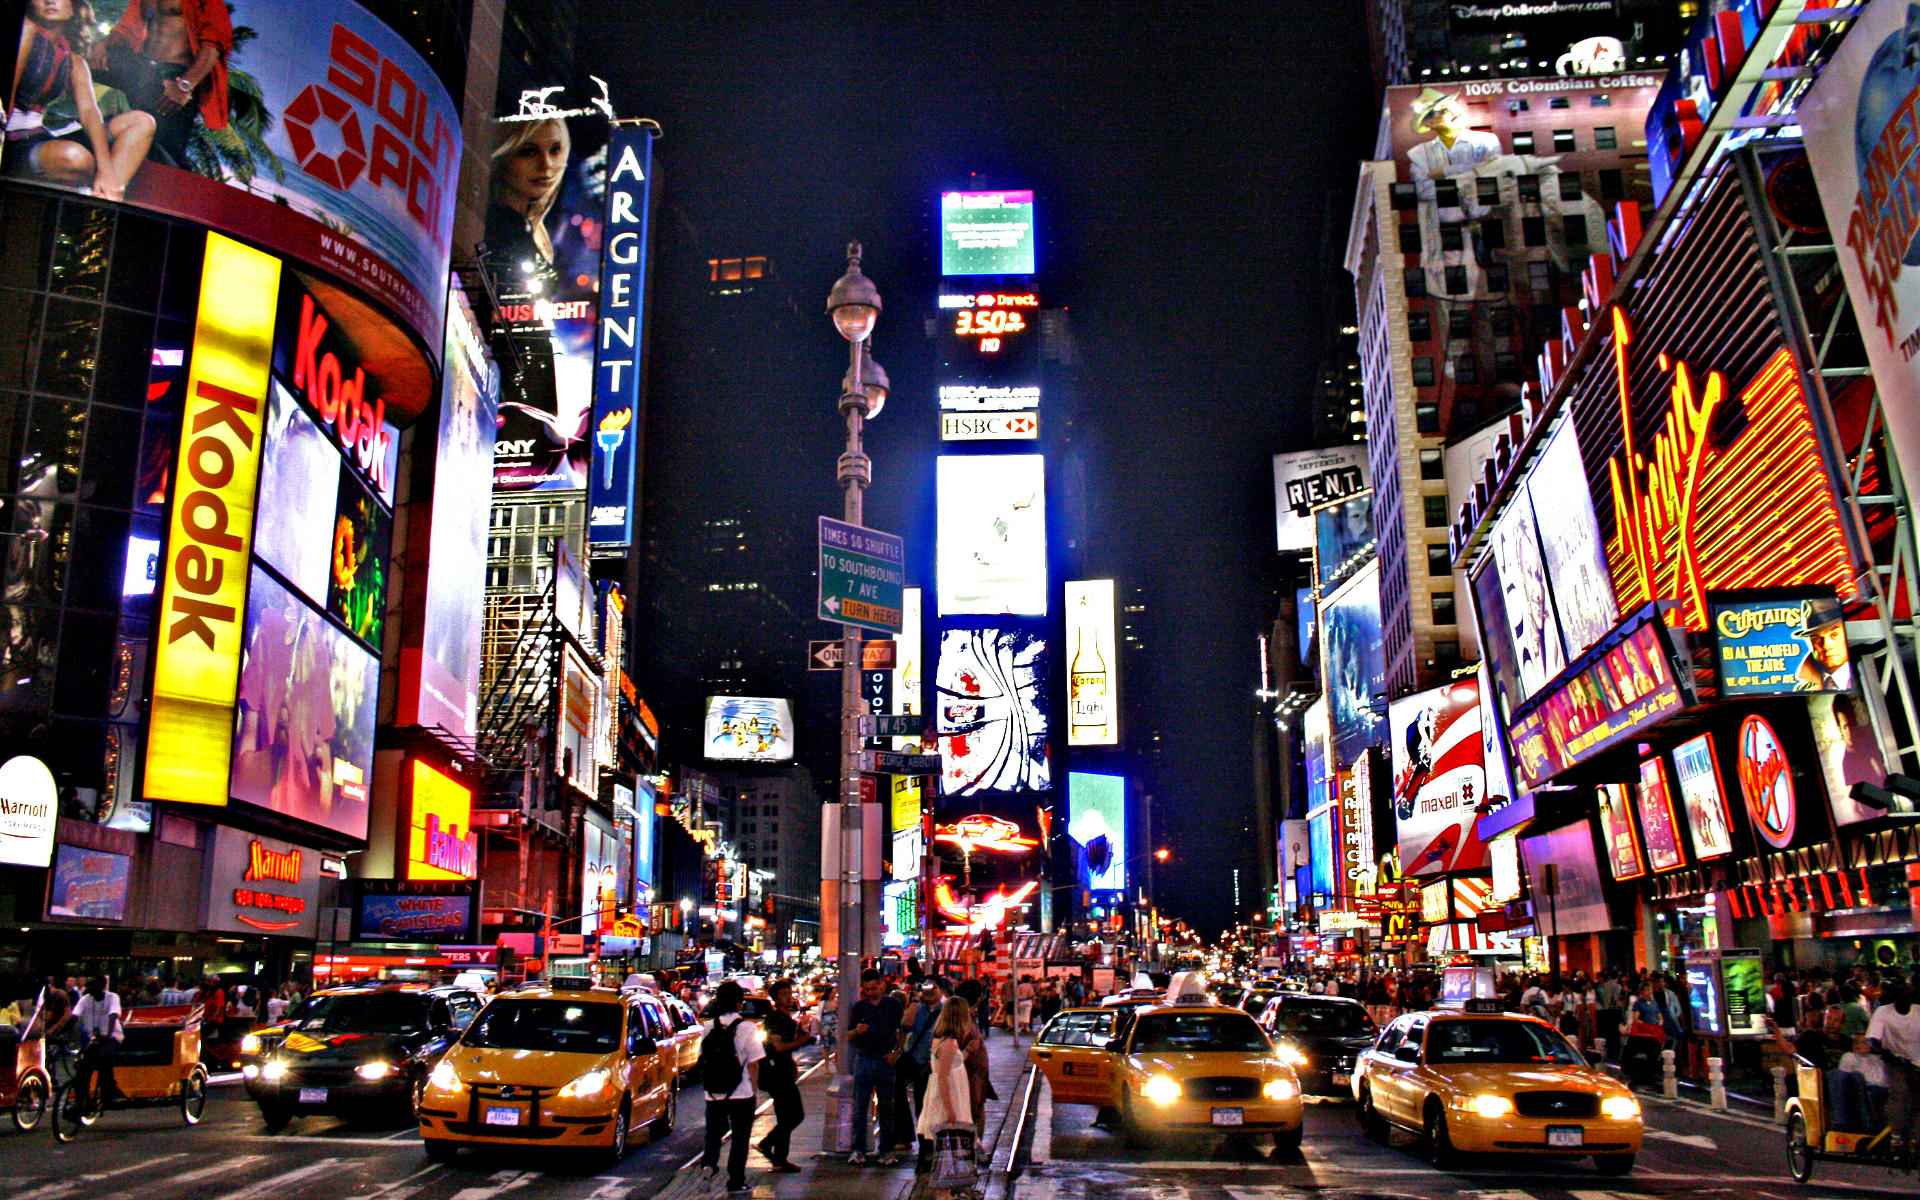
(250, 1071)
(591, 1084)
(274, 1071)
(1620, 1108)
(1290, 1054)
(1279, 1089)
(1489, 1105)
(250, 1044)
(1161, 1089)
(444, 1078)
(377, 1069)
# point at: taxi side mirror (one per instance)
(1407, 1054)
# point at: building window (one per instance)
(1570, 185)
(1557, 102)
(1528, 187)
(1523, 141)
(1402, 197)
(1415, 281)
(1433, 464)
(1613, 184)
(1439, 561)
(1502, 321)
(1409, 238)
(1451, 237)
(1605, 138)
(1600, 100)
(1493, 233)
(1446, 655)
(1456, 281)
(1426, 414)
(1446, 193)
(1506, 367)
(1443, 608)
(1422, 371)
(1516, 107)
(1436, 511)
(1539, 278)
(1575, 228)
(1563, 141)
(1489, 188)
(1466, 369)
(1460, 322)
(1419, 326)
(1497, 277)
(1533, 231)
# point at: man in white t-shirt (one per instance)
(1895, 1029)
(730, 1109)
(98, 1016)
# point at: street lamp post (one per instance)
(854, 305)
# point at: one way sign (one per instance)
(874, 656)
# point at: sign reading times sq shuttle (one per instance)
(1307, 479)
(1861, 123)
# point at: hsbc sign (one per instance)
(989, 427)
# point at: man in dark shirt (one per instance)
(780, 1077)
(875, 1032)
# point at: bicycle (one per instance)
(157, 1063)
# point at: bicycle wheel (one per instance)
(71, 1113)
(193, 1096)
(30, 1103)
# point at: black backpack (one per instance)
(720, 1069)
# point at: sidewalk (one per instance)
(829, 1177)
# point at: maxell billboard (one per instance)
(617, 362)
(1306, 479)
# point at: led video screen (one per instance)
(749, 729)
(992, 558)
(1356, 667)
(1098, 826)
(991, 714)
(1093, 716)
(986, 233)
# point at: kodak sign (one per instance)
(203, 587)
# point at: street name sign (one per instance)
(863, 574)
(874, 656)
(886, 762)
(907, 725)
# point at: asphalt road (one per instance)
(1689, 1152)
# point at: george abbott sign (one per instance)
(29, 809)
(203, 597)
(620, 337)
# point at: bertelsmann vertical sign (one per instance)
(620, 337)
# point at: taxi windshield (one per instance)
(546, 1025)
(1495, 1041)
(1199, 1031)
(1324, 1020)
(367, 1012)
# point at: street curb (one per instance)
(1004, 1176)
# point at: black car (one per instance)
(1321, 1036)
(355, 1051)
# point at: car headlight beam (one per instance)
(378, 1069)
(250, 1044)
(1161, 1089)
(1290, 1054)
(1488, 1105)
(1620, 1108)
(588, 1085)
(274, 1071)
(1280, 1089)
(444, 1078)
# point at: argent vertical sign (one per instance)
(620, 337)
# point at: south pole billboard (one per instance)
(618, 368)
(1858, 123)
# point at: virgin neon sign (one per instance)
(1692, 515)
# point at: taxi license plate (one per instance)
(1565, 1135)
(313, 1095)
(497, 1115)
(1229, 1116)
(1341, 1079)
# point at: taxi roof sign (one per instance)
(1188, 987)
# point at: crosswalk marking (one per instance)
(69, 1187)
(498, 1184)
(277, 1183)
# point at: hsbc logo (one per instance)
(987, 427)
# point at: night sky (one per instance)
(1184, 158)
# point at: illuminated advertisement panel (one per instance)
(1530, 634)
(989, 347)
(1575, 558)
(317, 133)
(441, 843)
(992, 558)
(302, 740)
(1578, 903)
(986, 233)
(1354, 804)
(749, 729)
(618, 370)
(579, 720)
(1618, 838)
(29, 811)
(1655, 803)
(203, 595)
(909, 672)
(89, 885)
(1858, 125)
(1098, 827)
(903, 825)
(1439, 777)
(1625, 685)
(1793, 643)
(1355, 667)
(990, 711)
(414, 910)
(1342, 539)
(1322, 854)
(1766, 782)
(1093, 702)
(1315, 735)
(1703, 797)
(1307, 479)
(440, 659)
(259, 885)
(1851, 751)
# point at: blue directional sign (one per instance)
(863, 574)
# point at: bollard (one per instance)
(1716, 1084)
(1780, 1095)
(1669, 1077)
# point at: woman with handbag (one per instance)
(947, 1117)
(1639, 1059)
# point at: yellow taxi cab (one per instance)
(1485, 1081)
(1186, 1065)
(562, 1064)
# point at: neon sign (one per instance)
(1766, 782)
(1623, 685)
(982, 832)
(1686, 520)
(985, 912)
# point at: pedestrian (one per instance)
(1607, 997)
(780, 1077)
(913, 1057)
(213, 1013)
(1023, 1004)
(874, 1034)
(99, 1016)
(947, 1118)
(277, 1005)
(1646, 1035)
(1894, 1032)
(730, 1057)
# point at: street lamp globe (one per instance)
(873, 383)
(854, 303)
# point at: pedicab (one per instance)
(1813, 1135)
(27, 1089)
(156, 1064)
